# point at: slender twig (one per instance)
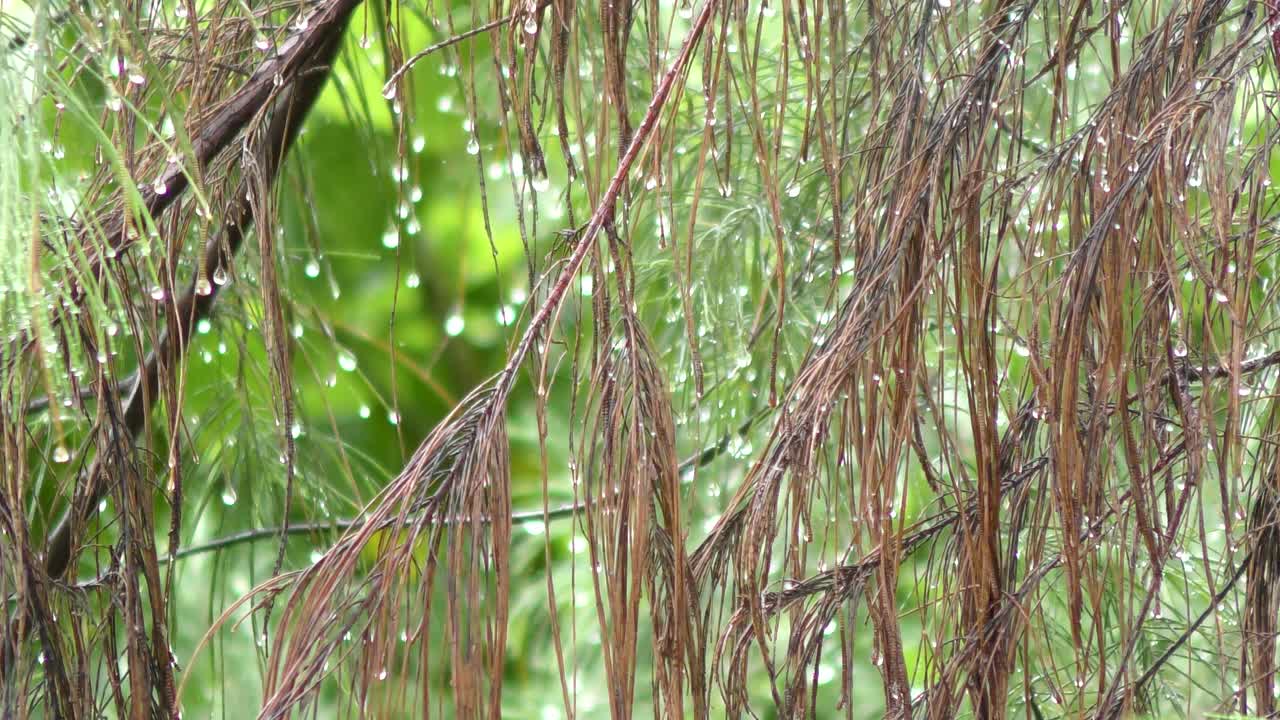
(705, 457)
(492, 25)
(1212, 606)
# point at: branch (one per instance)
(290, 108)
(703, 458)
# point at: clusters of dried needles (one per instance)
(1011, 292)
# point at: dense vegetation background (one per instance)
(739, 358)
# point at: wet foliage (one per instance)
(767, 358)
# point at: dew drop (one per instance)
(61, 454)
(454, 325)
(220, 276)
(229, 496)
(312, 269)
(1180, 349)
(159, 186)
(473, 146)
(506, 315)
(347, 361)
(541, 184)
(203, 287)
(531, 25)
(157, 293)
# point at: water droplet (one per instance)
(295, 430)
(159, 186)
(473, 146)
(262, 42)
(389, 92)
(347, 361)
(506, 315)
(412, 280)
(393, 417)
(454, 325)
(1180, 349)
(312, 268)
(419, 144)
(793, 190)
(137, 78)
(365, 412)
(61, 454)
(541, 183)
(203, 326)
(203, 287)
(531, 25)
(220, 276)
(157, 293)
(391, 239)
(229, 496)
